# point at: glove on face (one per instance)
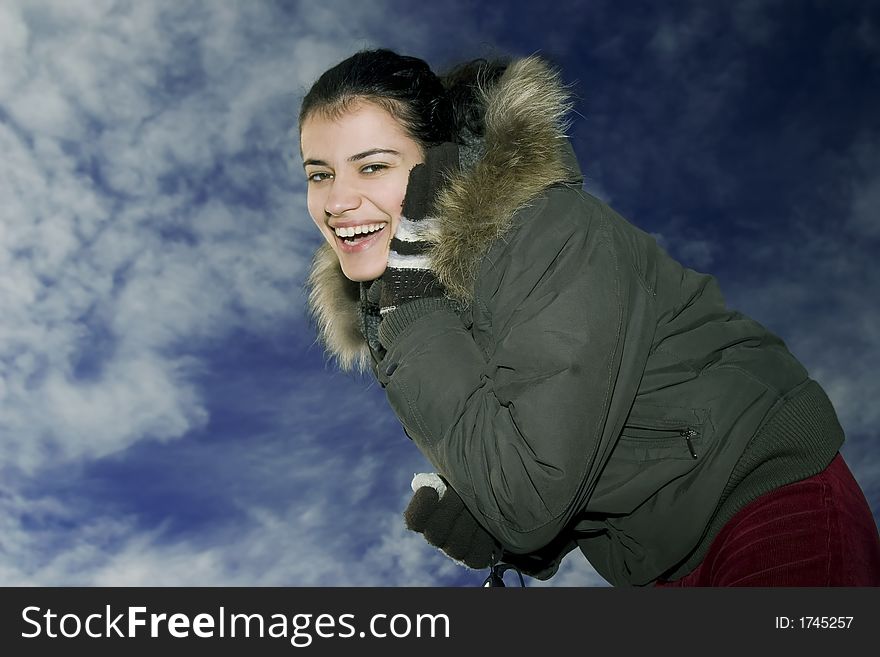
(409, 275)
(447, 524)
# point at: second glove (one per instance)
(437, 512)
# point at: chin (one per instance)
(362, 272)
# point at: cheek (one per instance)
(316, 212)
(394, 197)
(395, 208)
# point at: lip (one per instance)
(352, 224)
(363, 245)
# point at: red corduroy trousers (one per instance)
(815, 532)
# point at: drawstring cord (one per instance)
(496, 574)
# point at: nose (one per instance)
(341, 198)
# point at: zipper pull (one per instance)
(688, 434)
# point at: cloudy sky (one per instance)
(166, 417)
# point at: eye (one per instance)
(318, 176)
(373, 168)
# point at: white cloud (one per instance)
(694, 253)
(311, 544)
(752, 22)
(672, 38)
(13, 44)
(122, 118)
(864, 218)
(868, 35)
(574, 571)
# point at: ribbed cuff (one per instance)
(398, 320)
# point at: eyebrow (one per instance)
(354, 158)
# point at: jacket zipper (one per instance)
(685, 432)
(689, 433)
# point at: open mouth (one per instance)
(359, 236)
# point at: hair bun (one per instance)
(441, 108)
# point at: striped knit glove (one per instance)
(408, 275)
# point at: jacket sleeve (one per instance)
(521, 424)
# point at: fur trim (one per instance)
(431, 479)
(333, 303)
(525, 126)
(523, 155)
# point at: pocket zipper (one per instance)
(686, 432)
(689, 433)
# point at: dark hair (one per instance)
(431, 108)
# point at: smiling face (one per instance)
(357, 167)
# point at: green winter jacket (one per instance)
(578, 387)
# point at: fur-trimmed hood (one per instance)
(524, 151)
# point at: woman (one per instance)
(573, 385)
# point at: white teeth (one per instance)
(358, 230)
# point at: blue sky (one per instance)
(166, 417)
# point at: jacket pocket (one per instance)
(646, 440)
(650, 454)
